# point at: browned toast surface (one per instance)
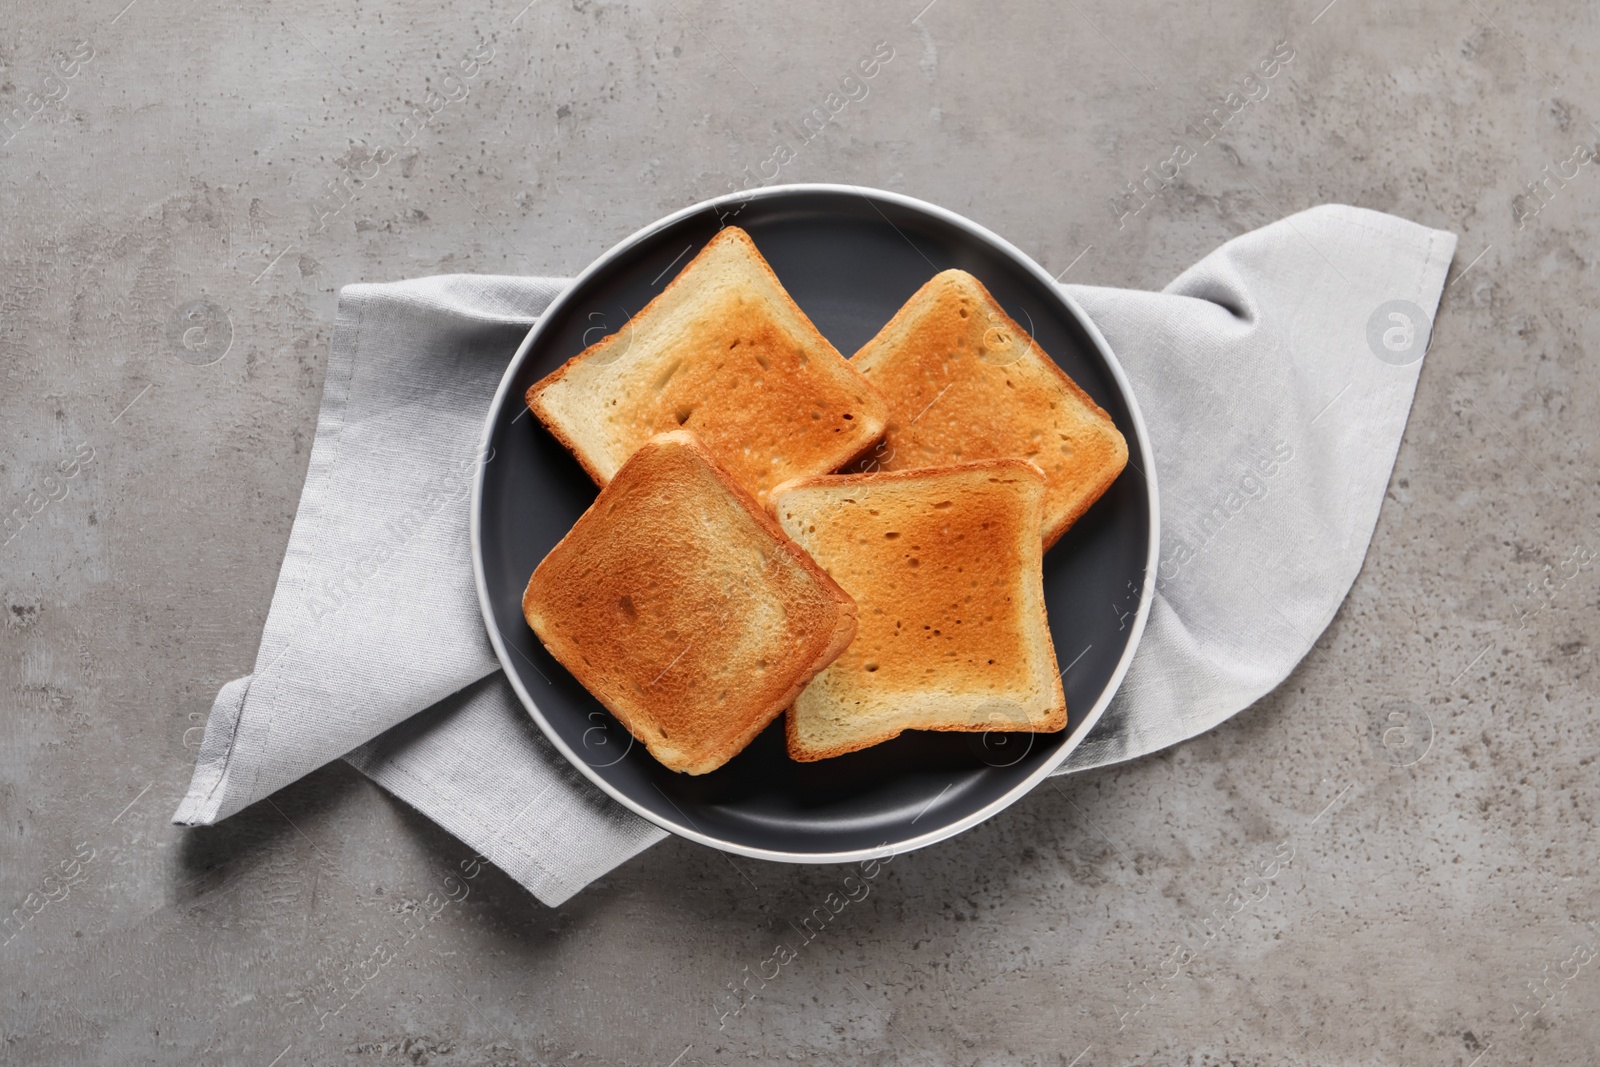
(724, 352)
(683, 607)
(944, 565)
(965, 382)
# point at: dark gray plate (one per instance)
(850, 257)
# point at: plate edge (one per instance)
(1011, 796)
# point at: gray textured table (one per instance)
(185, 186)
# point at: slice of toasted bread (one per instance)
(965, 382)
(684, 609)
(725, 352)
(944, 565)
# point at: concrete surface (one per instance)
(189, 185)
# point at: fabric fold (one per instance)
(1275, 412)
(374, 616)
(554, 835)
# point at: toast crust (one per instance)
(945, 566)
(684, 608)
(725, 352)
(965, 382)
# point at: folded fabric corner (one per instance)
(1276, 377)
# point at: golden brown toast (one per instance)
(944, 565)
(725, 352)
(684, 609)
(965, 382)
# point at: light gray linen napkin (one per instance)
(1276, 376)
